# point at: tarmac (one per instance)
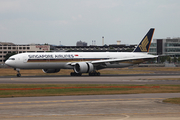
(92, 107)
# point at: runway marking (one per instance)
(93, 100)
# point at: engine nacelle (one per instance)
(50, 70)
(83, 67)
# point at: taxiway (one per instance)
(106, 79)
(106, 107)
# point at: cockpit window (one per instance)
(11, 59)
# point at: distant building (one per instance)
(105, 48)
(6, 47)
(166, 46)
(80, 43)
(118, 42)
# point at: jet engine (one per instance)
(50, 70)
(83, 67)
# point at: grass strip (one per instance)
(172, 100)
(75, 87)
(29, 90)
(133, 70)
(37, 72)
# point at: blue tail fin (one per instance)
(144, 45)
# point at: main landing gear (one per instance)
(75, 74)
(94, 74)
(90, 74)
(18, 72)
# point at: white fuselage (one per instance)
(64, 60)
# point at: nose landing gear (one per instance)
(18, 72)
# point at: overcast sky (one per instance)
(68, 21)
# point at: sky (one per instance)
(67, 21)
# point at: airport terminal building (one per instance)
(7, 47)
(168, 46)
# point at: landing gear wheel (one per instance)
(18, 75)
(94, 74)
(98, 74)
(18, 72)
(75, 74)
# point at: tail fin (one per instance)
(144, 45)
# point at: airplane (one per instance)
(82, 62)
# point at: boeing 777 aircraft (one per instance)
(82, 62)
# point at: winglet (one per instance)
(144, 45)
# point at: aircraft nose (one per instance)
(7, 62)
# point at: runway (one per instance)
(91, 107)
(104, 79)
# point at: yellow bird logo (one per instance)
(144, 44)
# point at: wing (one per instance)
(120, 60)
(117, 60)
